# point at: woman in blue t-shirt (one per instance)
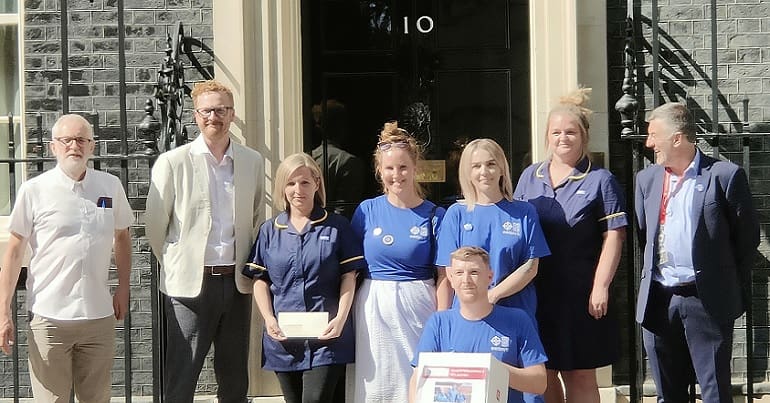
(398, 293)
(305, 260)
(489, 218)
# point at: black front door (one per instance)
(447, 70)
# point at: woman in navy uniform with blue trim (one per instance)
(398, 294)
(582, 213)
(305, 260)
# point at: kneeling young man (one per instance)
(471, 327)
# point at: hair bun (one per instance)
(391, 133)
(579, 99)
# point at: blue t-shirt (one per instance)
(397, 241)
(509, 230)
(507, 333)
(304, 269)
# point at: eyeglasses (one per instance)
(385, 146)
(220, 111)
(65, 141)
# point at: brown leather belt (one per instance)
(220, 270)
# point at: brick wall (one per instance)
(743, 53)
(94, 87)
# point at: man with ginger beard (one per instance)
(72, 217)
(203, 210)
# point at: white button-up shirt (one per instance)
(678, 230)
(70, 226)
(220, 245)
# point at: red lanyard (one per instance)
(666, 196)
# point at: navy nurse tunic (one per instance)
(574, 216)
(304, 270)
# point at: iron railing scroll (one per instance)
(170, 92)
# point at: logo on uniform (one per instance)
(418, 233)
(388, 240)
(468, 226)
(499, 343)
(512, 228)
(377, 231)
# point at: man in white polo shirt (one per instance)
(72, 217)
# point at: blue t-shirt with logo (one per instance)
(397, 241)
(509, 230)
(507, 333)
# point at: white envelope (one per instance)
(306, 325)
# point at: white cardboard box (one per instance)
(461, 377)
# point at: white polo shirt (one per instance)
(71, 239)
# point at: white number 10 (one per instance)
(423, 24)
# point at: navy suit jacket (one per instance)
(726, 235)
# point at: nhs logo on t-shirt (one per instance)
(512, 228)
(499, 343)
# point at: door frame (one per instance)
(567, 48)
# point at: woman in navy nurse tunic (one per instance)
(305, 260)
(581, 211)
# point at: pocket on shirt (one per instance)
(104, 221)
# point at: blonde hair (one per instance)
(467, 253)
(286, 168)
(210, 86)
(464, 171)
(392, 134)
(573, 106)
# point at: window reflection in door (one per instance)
(344, 172)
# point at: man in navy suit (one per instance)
(699, 233)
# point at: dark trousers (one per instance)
(220, 314)
(683, 342)
(325, 384)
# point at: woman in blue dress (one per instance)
(581, 210)
(489, 218)
(305, 260)
(398, 293)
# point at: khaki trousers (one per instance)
(63, 353)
